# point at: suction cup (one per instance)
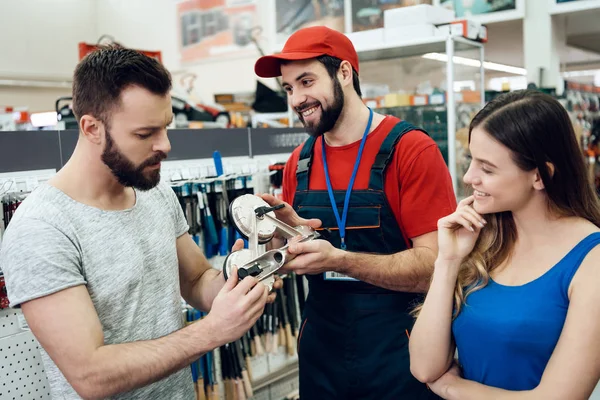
(241, 212)
(237, 258)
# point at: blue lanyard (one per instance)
(342, 223)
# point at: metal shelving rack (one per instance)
(436, 44)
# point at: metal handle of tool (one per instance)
(255, 220)
(271, 261)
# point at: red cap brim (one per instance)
(270, 66)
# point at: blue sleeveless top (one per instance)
(505, 335)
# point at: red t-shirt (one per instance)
(417, 181)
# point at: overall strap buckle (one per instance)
(304, 163)
(386, 153)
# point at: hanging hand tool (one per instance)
(213, 387)
(289, 339)
(217, 159)
(222, 205)
(252, 342)
(298, 295)
(255, 219)
(275, 328)
(260, 348)
(196, 366)
(288, 288)
(273, 321)
(200, 390)
(247, 352)
(225, 374)
(243, 368)
(268, 331)
(211, 239)
(260, 328)
(237, 373)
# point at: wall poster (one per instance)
(215, 28)
(291, 15)
(368, 14)
(466, 8)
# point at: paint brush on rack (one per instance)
(260, 350)
(237, 373)
(289, 338)
(243, 368)
(267, 328)
(246, 352)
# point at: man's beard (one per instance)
(126, 172)
(329, 116)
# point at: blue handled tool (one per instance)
(218, 162)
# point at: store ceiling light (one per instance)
(35, 83)
(476, 63)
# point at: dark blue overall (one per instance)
(353, 341)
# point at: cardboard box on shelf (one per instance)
(416, 15)
(366, 38)
(438, 98)
(374, 102)
(397, 100)
(419, 100)
(468, 96)
(399, 33)
(466, 28)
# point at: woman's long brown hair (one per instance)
(538, 131)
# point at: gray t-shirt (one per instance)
(127, 259)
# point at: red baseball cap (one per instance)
(309, 43)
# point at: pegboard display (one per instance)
(10, 322)
(263, 394)
(284, 388)
(22, 374)
(259, 367)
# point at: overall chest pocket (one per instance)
(363, 226)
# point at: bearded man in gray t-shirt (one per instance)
(99, 257)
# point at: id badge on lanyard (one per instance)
(336, 276)
(341, 222)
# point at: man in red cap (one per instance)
(376, 186)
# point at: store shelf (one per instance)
(518, 13)
(288, 370)
(449, 46)
(411, 48)
(499, 17)
(574, 6)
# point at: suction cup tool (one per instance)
(237, 258)
(242, 213)
(242, 259)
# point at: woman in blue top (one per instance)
(516, 285)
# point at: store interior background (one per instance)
(39, 39)
(544, 42)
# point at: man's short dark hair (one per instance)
(101, 77)
(332, 64)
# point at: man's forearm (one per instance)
(206, 289)
(407, 271)
(123, 367)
